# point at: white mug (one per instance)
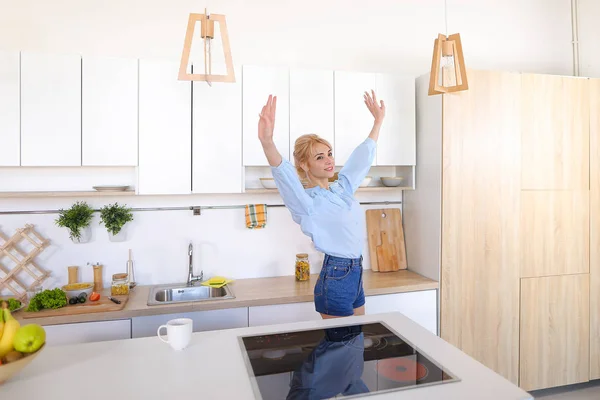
(179, 333)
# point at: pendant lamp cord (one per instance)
(446, 15)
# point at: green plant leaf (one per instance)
(114, 217)
(75, 218)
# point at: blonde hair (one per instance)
(304, 149)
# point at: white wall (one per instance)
(159, 239)
(589, 38)
(382, 35)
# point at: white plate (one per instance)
(106, 188)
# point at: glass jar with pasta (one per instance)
(302, 267)
(120, 285)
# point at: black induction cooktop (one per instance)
(346, 360)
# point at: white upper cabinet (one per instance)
(397, 138)
(10, 141)
(258, 83)
(109, 111)
(353, 121)
(165, 129)
(217, 137)
(311, 105)
(50, 109)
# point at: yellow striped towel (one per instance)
(256, 216)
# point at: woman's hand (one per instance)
(266, 124)
(377, 110)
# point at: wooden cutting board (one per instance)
(102, 305)
(386, 240)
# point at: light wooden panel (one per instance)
(555, 132)
(555, 322)
(554, 232)
(480, 225)
(595, 229)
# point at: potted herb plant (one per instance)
(114, 217)
(77, 219)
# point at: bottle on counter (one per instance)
(302, 267)
(98, 285)
(120, 285)
(73, 274)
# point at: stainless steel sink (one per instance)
(170, 294)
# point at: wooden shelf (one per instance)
(90, 193)
(362, 189)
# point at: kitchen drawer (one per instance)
(211, 320)
(419, 306)
(86, 332)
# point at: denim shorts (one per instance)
(339, 289)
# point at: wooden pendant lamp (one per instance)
(448, 71)
(207, 25)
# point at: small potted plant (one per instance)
(77, 219)
(114, 217)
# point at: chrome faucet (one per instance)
(191, 278)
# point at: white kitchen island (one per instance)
(214, 366)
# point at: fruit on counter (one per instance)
(29, 338)
(11, 326)
(12, 356)
(73, 300)
(55, 298)
(95, 296)
(18, 341)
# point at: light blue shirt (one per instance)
(332, 218)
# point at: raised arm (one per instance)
(290, 188)
(266, 125)
(378, 112)
(358, 164)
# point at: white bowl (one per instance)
(392, 181)
(88, 289)
(366, 181)
(268, 183)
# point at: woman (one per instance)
(327, 213)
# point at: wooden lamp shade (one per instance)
(448, 71)
(207, 23)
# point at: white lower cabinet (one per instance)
(419, 306)
(282, 313)
(203, 321)
(85, 332)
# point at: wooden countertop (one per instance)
(248, 293)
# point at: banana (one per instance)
(11, 326)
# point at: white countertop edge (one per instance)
(213, 366)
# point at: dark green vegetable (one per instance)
(73, 300)
(13, 304)
(54, 298)
(82, 300)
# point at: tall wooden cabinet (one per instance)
(503, 197)
(595, 229)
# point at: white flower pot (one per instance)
(119, 237)
(85, 235)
